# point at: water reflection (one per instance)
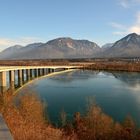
(118, 93)
(77, 75)
(131, 78)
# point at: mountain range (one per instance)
(128, 46)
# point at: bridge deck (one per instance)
(8, 68)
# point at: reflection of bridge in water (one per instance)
(17, 76)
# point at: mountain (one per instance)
(62, 48)
(107, 46)
(57, 48)
(16, 51)
(128, 46)
(10, 51)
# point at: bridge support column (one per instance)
(36, 72)
(23, 78)
(49, 70)
(31, 74)
(46, 71)
(28, 75)
(43, 71)
(53, 70)
(20, 80)
(39, 72)
(12, 80)
(3, 81)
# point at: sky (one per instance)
(101, 21)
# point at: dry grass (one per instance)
(98, 126)
(116, 66)
(27, 122)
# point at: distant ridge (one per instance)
(128, 46)
(66, 47)
(57, 48)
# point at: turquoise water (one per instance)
(117, 93)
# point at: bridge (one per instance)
(17, 76)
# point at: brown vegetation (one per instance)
(94, 64)
(27, 122)
(98, 126)
(115, 66)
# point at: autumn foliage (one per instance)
(26, 121)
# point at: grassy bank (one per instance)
(27, 122)
(115, 66)
(95, 64)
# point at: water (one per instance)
(117, 93)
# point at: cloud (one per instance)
(117, 25)
(128, 3)
(136, 27)
(124, 30)
(124, 3)
(6, 42)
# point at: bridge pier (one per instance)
(66, 68)
(12, 80)
(20, 80)
(39, 72)
(47, 71)
(3, 81)
(51, 70)
(43, 71)
(27, 75)
(23, 77)
(35, 73)
(31, 74)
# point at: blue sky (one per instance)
(102, 21)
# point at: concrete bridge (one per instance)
(9, 75)
(22, 75)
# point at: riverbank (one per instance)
(27, 122)
(132, 65)
(115, 66)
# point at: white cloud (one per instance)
(117, 26)
(128, 3)
(124, 3)
(124, 30)
(136, 27)
(119, 33)
(7, 42)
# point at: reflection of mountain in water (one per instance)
(130, 78)
(75, 75)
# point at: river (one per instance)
(117, 93)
